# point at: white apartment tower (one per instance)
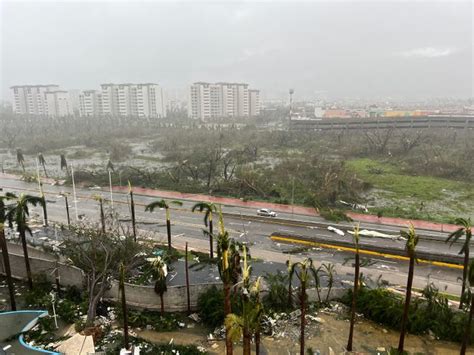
(254, 102)
(31, 99)
(137, 100)
(90, 103)
(207, 100)
(58, 103)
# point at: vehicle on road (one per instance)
(266, 212)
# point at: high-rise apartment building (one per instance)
(207, 100)
(31, 99)
(137, 100)
(254, 102)
(90, 103)
(58, 103)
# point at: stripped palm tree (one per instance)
(410, 247)
(164, 204)
(464, 230)
(20, 159)
(467, 332)
(124, 306)
(159, 272)
(17, 213)
(42, 162)
(228, 263)
(329, 271)
(356, 287)
(303, 270)
(5, 255)
(100, 199)
(63, 163)
(208, 208)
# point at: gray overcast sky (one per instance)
(339, 49)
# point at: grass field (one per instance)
(396, 193)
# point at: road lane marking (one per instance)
(361, 251)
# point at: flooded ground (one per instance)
(331, 333)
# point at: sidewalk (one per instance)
(301, 210)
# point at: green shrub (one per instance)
(277, 297)
(211, 307)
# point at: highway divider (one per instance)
(444, 260)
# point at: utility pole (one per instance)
(291, 92)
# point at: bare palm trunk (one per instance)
(227, 310)
(354, 301)
(44, 169)
(247, 339)
(8, 271)
(27, 259)
(125, 315)
(67, 212)
(102, 216)
(168, 231)
(188, 297)
(57, 280)
(464, 274)
(132, 210)
(303, 316)
(162, 305)
(467, 333)
(211, 242)
(411, 269)
(45, 211)
(257, 342)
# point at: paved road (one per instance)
(187, 226)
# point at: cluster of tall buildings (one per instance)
(46, 100)
(207, 100)
(134, 100)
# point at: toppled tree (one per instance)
(100, 255)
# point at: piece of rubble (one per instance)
(195, 317)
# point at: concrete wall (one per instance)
(143, 297)
(69, 275)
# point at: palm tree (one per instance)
(228, 265)
(17, 213)
(289, 267)
(6, 256)
(252, 310)
(303, 270)
(63, 163)
(209, 208)
(465, 229)
(329, 271)
(467, 332)
(164, 204)
(412, 240)
(42, 162)
(132, 211)
(100, 199)
(356, 287)
(124, 306)
(20, 159)
(159, 272)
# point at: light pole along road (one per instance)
(244, 226)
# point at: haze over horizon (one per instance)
(332, 49)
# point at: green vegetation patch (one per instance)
(392, 178)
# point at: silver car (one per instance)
(266, 212)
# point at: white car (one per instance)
(266, 212)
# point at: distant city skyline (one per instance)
(333, 49)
